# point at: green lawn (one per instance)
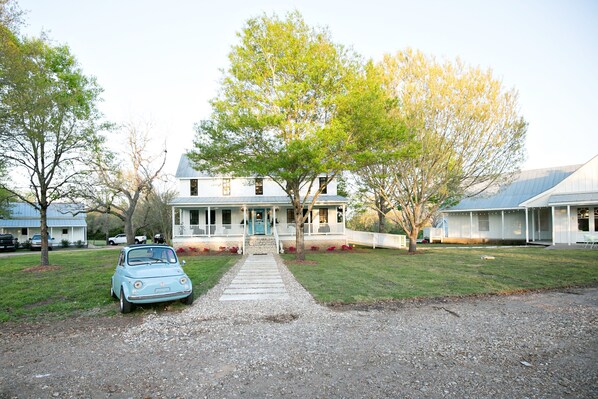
(80, 283)
(375, 275)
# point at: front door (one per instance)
(258, 222)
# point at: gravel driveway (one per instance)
(542, 345)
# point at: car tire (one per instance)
(188, 300)
(124, 305)
(112, 294)
(136, 241)
(111, 242)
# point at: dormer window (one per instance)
(193, 187)
(323, 185)
(259, 186)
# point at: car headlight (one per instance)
(183, 280)
(138, 284)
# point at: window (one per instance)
(65, 231)
(177, 217)
(290, 216)
(483, 222)
(194, 217)
(595, 219)
(339, 214)
(323, 185)
(226, 216)
(226, 187)
(583, 219)
(24, 231)
(323, 215)
(193, 187)
(212, 216)
(259, 186)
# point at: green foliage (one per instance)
(65, 243)
(375, 275)
(80, 284)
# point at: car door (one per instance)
(119, 273)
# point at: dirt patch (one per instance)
(282, 318)
(41, 269)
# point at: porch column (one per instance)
(209, 222)
(173, 229)
(273, 219)
(533, 226)
(502, 225)
(568, 224)
(526, 228)
(470, 224)
(309, 226)
(344, 223)
(539, 225)
(553, 232)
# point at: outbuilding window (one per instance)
(483, 221)
(583, 219)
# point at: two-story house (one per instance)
(223, 211)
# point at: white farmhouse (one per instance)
(551, 206)
(251, 213)
(65, 222)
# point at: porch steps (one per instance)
(260, 245)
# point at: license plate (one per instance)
(162, 290)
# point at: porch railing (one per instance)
(277, 239)
(202, 230)
(288, 229)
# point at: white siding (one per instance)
(584, 180)
(459, 226)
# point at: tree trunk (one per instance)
(413, 240)
(43, 212)
(129, 229)
(299, 233)
(381, 222)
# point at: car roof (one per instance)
(147, 246)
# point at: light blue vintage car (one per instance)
(148, 274)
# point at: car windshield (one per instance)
(138, 256)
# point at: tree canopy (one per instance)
(285, 111)
(468, 127)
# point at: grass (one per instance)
(377, 275)
(79, 284)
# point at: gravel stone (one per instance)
(459, 348)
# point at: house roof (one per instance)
(22, 210)
(252, 200)
(185, 170)
(527, 185)
(31, 223)
(573, 199)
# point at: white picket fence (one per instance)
(381, 240)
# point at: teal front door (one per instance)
(259, 226)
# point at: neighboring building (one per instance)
(552, 206)
(24, 222)
(221, 211)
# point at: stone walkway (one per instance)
(257, 279)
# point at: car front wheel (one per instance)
(125, 306)
(188, 300)
(111, 242)
(136, 241)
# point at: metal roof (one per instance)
(573, 199)
(526, 185)
(22, 210)
(35, 223)
(252, 200)
(185, 170)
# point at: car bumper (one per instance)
(160, 297)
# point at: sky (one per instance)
(161, 62)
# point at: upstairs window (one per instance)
(259, 186)
(583, 219)
(483, 222)
(226, 187)
(324, 185)
(193, 187)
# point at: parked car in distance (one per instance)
(147, 274)
(8, 242)
(36, 242)
(159, 239)
(122, 239)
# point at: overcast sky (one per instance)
(161, 61)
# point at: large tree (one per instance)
(284, 111)
(469, 129)
(48, 122)
(124, 179)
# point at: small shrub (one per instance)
(206, 249)
(292, 249)
(346, 248)
(180, 250)
(222, 249)
(314, 248)
(79, 244)
(65, 243)
(192, 249)
(331, 248)
(26, 244)
(233, 250)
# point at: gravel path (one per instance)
(542, 345)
